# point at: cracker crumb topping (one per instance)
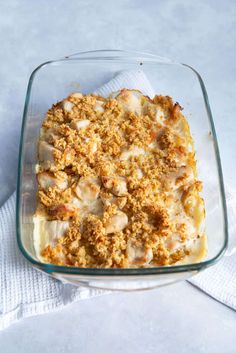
(122, 171)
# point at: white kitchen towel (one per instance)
(25, 291)
(219, 281)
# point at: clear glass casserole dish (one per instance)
(54, 80)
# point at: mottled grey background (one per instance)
(200, 33)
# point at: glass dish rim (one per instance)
(119, 55)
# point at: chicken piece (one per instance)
(85, 208)
(93, 146)
(63, 211)
(117, 185)
(93, 143)
(183, 176)
(138, 254)
(77, 95)
(96, 207)
(48, 134)
(79, 124)
(67, 106)
(46, 152)
(130, 100)
(77, 202)
(99, 106)
(172, 242)
(120, 202)
(48, 232)
(88, 189)
(139, 174)
(47, 180)
(134, 152)
(82, 207)
(68, 155)
(184, 235)
(116, 223)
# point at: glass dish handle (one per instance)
(113, 54)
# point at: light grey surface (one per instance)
(177, 318)
(200, 33)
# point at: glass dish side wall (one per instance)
(55, 80)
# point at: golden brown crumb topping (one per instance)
(117, 182)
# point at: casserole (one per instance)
(54, 80)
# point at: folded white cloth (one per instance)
(26, 291)
(219, 281)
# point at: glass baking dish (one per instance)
(54, 80)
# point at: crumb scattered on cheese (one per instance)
(117, 184)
